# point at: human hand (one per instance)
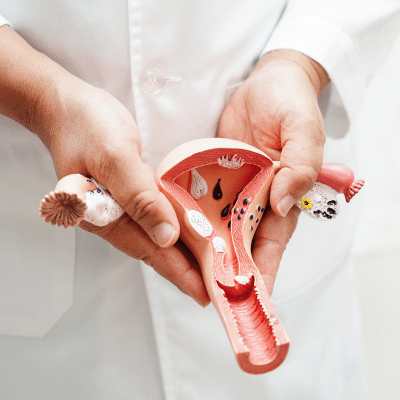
(90, 132)
(98, 137)
(276, 110)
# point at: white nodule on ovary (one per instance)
(219, 244)
(320, 202)
(317, 197)
(102, 209)
(199, 223)
(242, 280)
(199, 187)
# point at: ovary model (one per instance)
(78, 198)
(219, 189)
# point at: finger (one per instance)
(131, 184)
(300, 162)
(175, 263)
(269, 243)
(233, 122)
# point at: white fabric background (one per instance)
(378, 238)
(377, 245)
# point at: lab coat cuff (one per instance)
(3, 21)
(331, 47)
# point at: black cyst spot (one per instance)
(331, 211)
(225, 211)
(324, 214)
(217, 193)
(317, 212)
(332, 203)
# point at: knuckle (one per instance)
(275, 245)
(301, 177)
(153, 260)
(105, 162)
(306, 175)
(319, 138)
(143, 205)
(108, 156)
(148, 260)
(315, 127)
(305, 179)
(279, 244)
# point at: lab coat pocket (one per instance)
(36, 259)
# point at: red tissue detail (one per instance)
(354, 188)
(340, 177)
(252, 322)
(260, 345)
(238, 290)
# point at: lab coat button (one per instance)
(152, 80)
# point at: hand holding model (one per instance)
(219, 189)
(276, 110)
(88, 131)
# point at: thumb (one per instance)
(300, 162)
(133, 187)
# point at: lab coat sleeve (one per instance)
(3, 21)
(349, 38)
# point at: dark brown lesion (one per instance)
(225, 211)
(217, 192)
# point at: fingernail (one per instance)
(164, 234)
(285, 205)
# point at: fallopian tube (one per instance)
(219, 189)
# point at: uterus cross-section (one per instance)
(220, 195)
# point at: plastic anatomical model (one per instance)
(219, 189)
(77, 197)
(321, 201)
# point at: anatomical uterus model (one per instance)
(219, 189)
(219, 195)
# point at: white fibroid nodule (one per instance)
(199, 187)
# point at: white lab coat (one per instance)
(80, 320)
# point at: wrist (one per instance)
(30, 85)
(317, 76)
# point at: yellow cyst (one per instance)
(306, 203)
